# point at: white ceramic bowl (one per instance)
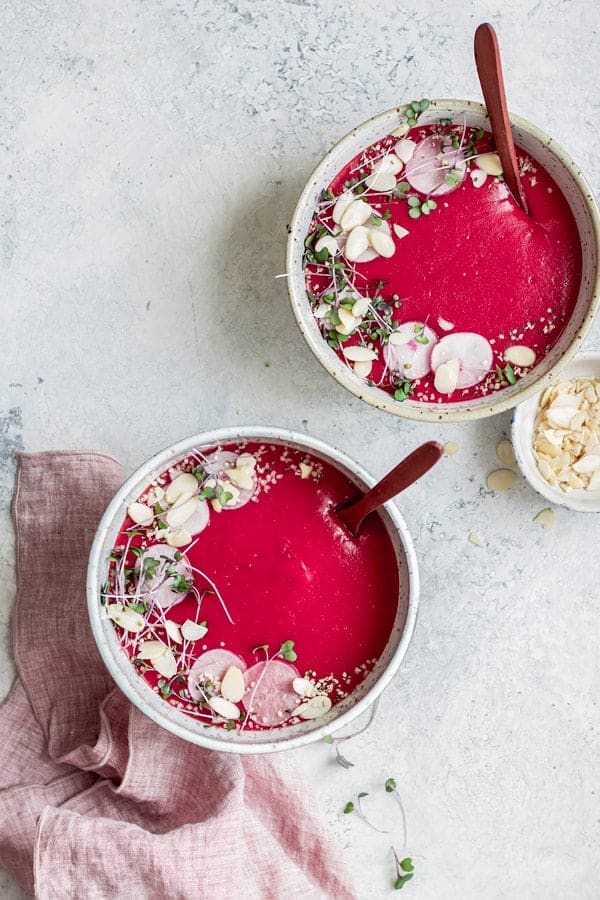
(585, 365)
(140, 693)
(572, 183)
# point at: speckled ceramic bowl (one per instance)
(572, 183)
(138, 690)
(585, 365)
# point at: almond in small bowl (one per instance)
(556, 436)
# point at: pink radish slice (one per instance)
(212, 665)
(198, 521)
(274, 698)
(427, 168)
(413, 359)
(217, 464)
(158, 588)
(473, 352)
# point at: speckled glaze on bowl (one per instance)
(585, 365)
(575, 188)
(139, 691)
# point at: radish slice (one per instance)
(211, 666)
(217, 464)
(428, 166)
(413, 358)
(158, 588)
(198, 521)
(272, 698)
(472, 351)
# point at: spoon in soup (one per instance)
(353, 513)
(489, 69)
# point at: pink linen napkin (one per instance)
(96, 801)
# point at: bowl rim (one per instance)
(519, 438)
(437, 413)
(228, 435)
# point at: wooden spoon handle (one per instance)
(404, 474)
(489, 69)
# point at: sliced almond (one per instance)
(313, 708)
(347, 319)
(587, 464)
(561, 416)
(304, 687)
(124, 617)
(489, 163)
(245, 461)
(390, 163)
(399, 231)
(329, 243)
(381, 242)
(173, 630)
(165, 664)
(519, 355)
(224, 708)
(362, 369)
(321, 311)
(478, 177)
(191, 631)
(404, 149)
(381, 181)
(361, 307)
(399, 338)
(357, 243)
(358, 353)
(242, 478)
(444, 324)
(357, 213)
(505, 453)
(181, 488)
(341, 205)
(446, 376)
(450, 448)
(181, 512)
(305, 470)
(177, 537)
(476, 539)
(233, 686)
(545, 518)
(140, 513)
(151, 649)
(500, 480)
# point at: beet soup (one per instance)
(239, 596)
(425, 276)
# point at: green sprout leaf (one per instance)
(406, 864)
(349, 807)
(287, 651)
(401, 881)
(509, 374)
(180, 585)
(414, 213)
(328, 739)
(414, 201)
(390, 785)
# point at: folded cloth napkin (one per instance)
(96, 801)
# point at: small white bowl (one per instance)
(585, 365)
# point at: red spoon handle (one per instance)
(489, 69)
(404, 474)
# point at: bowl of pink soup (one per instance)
(232, 607)
(420, 285)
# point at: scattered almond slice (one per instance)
(450, 448)
(358, 353)
(390, 163)
(181, 488)
(357, 243)
(519, 355)
(321, 311)
(381, 242)
(329, 243)
(305, 470)
(446, 376)
(304, 687)
(362, 369)
(404, 149)
(155, 495)
(361, 307)
(587, 464)
(140, 513)
(400, 232)
(151, 649)
(191, 631)
(245, 461)
(357, 213)
(444, 324)
(224, 708)
(399, 338)
(165, 664)
(241, 477)
(489, 163)
(341, 205)
(313, 708)
(124, 617)
(347, 319)
(181, 512)
(545, 518)
(173, 630)
(177, 537)
(505, 453)
(478, 177)
(233, 686)
(500, 480)
(382, 181)
(476, 539)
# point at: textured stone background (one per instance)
(152, 153)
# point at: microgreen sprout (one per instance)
(414, 111)
(349, 807)
(404, 870)
(390, 785)
(509, 374)
(404, 388)
(287, 651)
